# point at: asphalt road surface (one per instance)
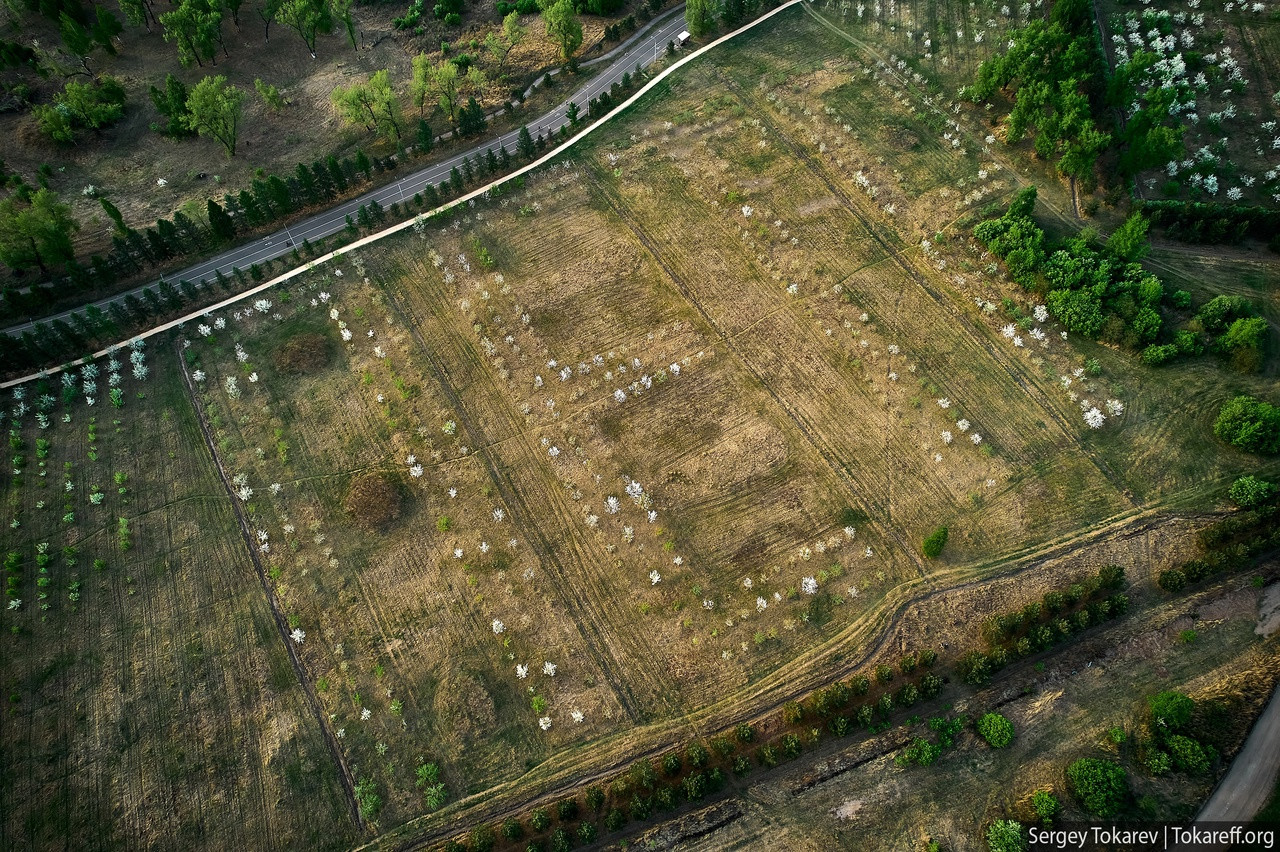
(643, 49)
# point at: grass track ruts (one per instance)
(1011, 369)
(803, 427)
(282, 624)
(815, 668)
(592, 634)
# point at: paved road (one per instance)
(1247, 786)
(642, 49)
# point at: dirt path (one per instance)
(817, 667)
(1244, 790)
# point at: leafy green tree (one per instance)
(36, 231)
(1249, 492)
(1170, 711)
(1078, 310)
(373, 104)
(215, 109)
(171, 102)
(138, 12)
(106, 26)
(563, 27)
(1129, 241)
(340, 11)
(501, 44)
(195, 26)
(308, 18)
(267, 13)
(444, 84)
(1188, 755)
(700, 16)
(270, 95)
(934, 542)
(1006, 835)
(1051, 69)
(1244, 341)
(76, 39)
(81, 106)
(481, 839)
(1250, 424)
(1172, 580)
(1100, 786)
(996, 730)
(1220, 311)
(1045, 804)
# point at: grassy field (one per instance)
(642, 441)
(150, 700)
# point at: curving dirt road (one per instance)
(1247, 786)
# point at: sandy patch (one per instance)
(848, 809)
(1269, 611)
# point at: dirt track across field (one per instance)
(1245, 788)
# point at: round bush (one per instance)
(933, 544)
(1249, 492)
(373, 501)
(304, 353)
(1005, 835)
(996, 730)
(1099, 785)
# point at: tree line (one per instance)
(268, 199)
(1103, 293)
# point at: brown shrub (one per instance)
(373, 501)
(304, 353)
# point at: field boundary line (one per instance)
(833, 660)
(897, 250)
(478, 192)
(282, 625)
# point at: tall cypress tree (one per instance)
(525, 143)
(336, 174)
(306, 183)
(114, 213)
(220, 223)
(191, 232)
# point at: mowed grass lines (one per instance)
(602, 405)
(152, 703)
(416, 620)
(866, 390)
